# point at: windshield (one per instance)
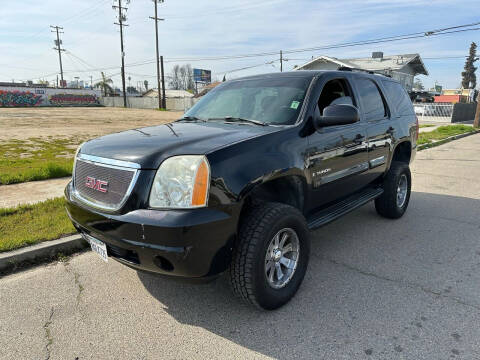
(270, 101)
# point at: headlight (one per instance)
(181, 182)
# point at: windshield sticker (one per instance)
(294, 104)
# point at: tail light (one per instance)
(418, 128)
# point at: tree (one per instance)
(469, 80)
(182, 78)
(104, 84)
(132, 90)
(417, 85)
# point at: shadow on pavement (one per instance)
(368, 281)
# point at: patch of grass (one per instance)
(443, 132)
(426, 125)
(30, 224)
(36, 159)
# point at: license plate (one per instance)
(98, 246)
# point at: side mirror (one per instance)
(341, 114)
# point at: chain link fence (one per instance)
(434, 112)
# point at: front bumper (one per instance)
(186, 243)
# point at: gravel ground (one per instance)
(24, 123)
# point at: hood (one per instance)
(151, 145)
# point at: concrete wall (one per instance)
(178, 104)
(11, 96)
(463, 112)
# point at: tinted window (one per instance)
(335, 92)
(372, 101)
(270, 100)
(398, 97)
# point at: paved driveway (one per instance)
(375, 289)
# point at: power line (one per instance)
(423, 34)
(444, 57)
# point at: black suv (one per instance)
(237, 183)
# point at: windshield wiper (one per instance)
(191, 118)
(238, 119)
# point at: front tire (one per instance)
(271, 255)
(397, 184)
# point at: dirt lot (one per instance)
(24, 123)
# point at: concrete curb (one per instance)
(446, 140)
(45, 250)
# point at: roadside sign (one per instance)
(203, 76)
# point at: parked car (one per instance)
(238, 182)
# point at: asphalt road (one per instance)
(375, 289)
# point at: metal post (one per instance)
(281, 61)
(164, 99)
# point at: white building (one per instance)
(400, 67)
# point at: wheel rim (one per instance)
(281, 258)
(402, 189)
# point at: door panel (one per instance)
(380, 131)
(380, 140)
(336, 161)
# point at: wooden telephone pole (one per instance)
(121, 19)
(476, 122)
(161, 95)
(58, 44)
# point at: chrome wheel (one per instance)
(281, 258)
(402, 190)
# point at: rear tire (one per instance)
(271, 236)
(397, 184)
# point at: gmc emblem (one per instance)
(96, 184)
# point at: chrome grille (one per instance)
(120, 182)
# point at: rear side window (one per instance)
(398, 98)
(372, 101)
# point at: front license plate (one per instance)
(98, 246)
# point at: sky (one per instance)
(195, 30)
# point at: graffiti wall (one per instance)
(73, 99)
(28, 97)
(19, 98)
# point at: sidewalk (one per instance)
(31, 192)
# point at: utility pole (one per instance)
(157, 19)
(164, 99)
(121, 19)
(476, 122)
(281, 61)
(58, 44)
(91, 82)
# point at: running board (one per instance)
(335, 211)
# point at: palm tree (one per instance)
(104, 84)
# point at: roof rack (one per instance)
(346, 68)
